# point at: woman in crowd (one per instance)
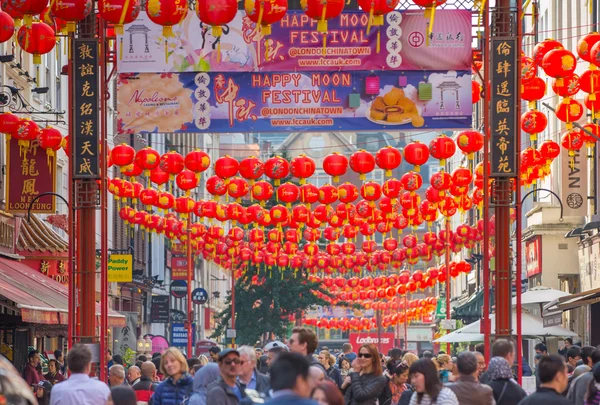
(396, 384)
(178, 384)
(42, 392)
(365, 387)
(208, 374)
(203, 360)
(444, 365)
(409, 358)
(506, 391)
(327, 393)
(345, 367)
(427, 385)
(54, 375)
(327, 362)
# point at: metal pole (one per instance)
(518, 209)
(190, 269)
(486, 194)
(447, 260)
(232, 306)
(406, 321)
(103, 203)
(72, 318)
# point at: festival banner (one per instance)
(295, 45)
(29, 173)
(299, 101)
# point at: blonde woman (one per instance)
(444, 364)
(327, 361)
(409, 358)
(178, 384)
(203, 360)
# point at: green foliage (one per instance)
(129, 357)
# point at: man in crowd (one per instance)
(573, 356)
(501, 348)
(30, 374)
(249, 376)
(290, 380)
(273, 349)
(316, 376)
(347, 353)
(58, 355)
(116, 375)
(480, 364)
(145, 386)
(109, 359)
(566, 347)
(552, 371)
(468, 389)
(304, 341)
(133, 375)
(499, 375)
(541, 348)
(80, 389)
(213, 352)
(579, 385)
(226, 390)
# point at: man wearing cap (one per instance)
(273, 349)
(226, 390)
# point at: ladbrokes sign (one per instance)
(359, 339)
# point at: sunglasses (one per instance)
(365, 355)
(232, 361)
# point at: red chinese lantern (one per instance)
(527, 68)
(475, 91)
(542, 48)
(335, 165)
(533, 90)
(119, 12)
(568, 111)
(376, 10)
(172, 163)
(533, 122)
(187, 181)
(27, 131)
(302, 167)
(29, 8)
(592, 103)
(416, 153)
(470, 142)
(216, 13)
(185, 205)
(237, 188)
(559, 63)
(589, 81)
(362, 162)
(322, 10)
(411, 181)
(251, 168)
(147, 159)
(262, 191)
(442, 148)
(277, 168)
(197, 161)
(572, 141)
(309, 193)
(167, 13)
(585, 45)
(7, 26)
(594, 129)
(288, 193)
(264, 13)
(216, 186)
(36, 39)
(71, 11)
(9, 123)
(441, 181)
(549, 150)
(157, 175)
(149, 198)
(50, 139)
(388, 159)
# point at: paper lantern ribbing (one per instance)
(147, 159)
(9, 123)
(542, 48)
(277, 168)
(71, 11)
(442, 148)
(36, 39)
(119, 12)
(470, 142)
(50, 139)
(388, 159)
(559, 63)
(302, 167)
(533, 122)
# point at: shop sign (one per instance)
(294, 101)
(159, 344)
(29, 174)
(199, 296)
(159, 309)
(384, 345)
(120, 268)
(504, 125)
(440, 309)
(533, 258)
(552, 320)
(178, 288)
(295, 44)
(574, 182)
(179, 335)
(86, 143)
(55, 269)
(179, 268)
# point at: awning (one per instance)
(471, 310)
(39, 298)
(571, 301)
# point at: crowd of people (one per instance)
(298, 373)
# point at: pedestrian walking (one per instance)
(365, 387)
(116, 376)
(429, 390)
(122, 395)
(31, 375)
(134, 374)
(593, 394)
(54, 374)
(249, 377)
(396, 384)
(290, 381)
(573, 356)
(43, 391)
(409, 358)
(178, 384)
(328, 362)
(481, 366)
(327, 393)
(226, 391)
(144, 388)
(506, 390)
(467, 388)
(552, 371)
(444, 365)
(213, 352)
(80, 389)
(305, 342)
(60, 358)
(206, 376)
(578, 389)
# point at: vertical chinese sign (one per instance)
(504, 93)
(29, 175)
(85, 96)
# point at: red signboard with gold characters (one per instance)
(29, 174)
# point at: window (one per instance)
(319, 178)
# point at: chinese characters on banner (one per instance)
(503, 104)
(179, 268)
(86, 125)
(28, 176)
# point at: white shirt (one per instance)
(80, 389)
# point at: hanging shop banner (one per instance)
(574, 182)
(120, 268)
(384, 345)
(504, 123)
(159, 309)
(179, 335)
(126, 337)
(178, 288)
(309, 101)
(295, 45)
(86, 143)
(533, 258)
(29, 174)
(199, 296)
(179, 268)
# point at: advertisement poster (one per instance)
(574, 182)
(307, 101)
(295, 45)
(359, 339)
(179, 268)
(179, 335)
(533, 260)
(29, 173)
(125, 337)
(159, 309)
(120, 268)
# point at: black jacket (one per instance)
(334, 375)
(365, 389)
(545, 396)
(507, 392)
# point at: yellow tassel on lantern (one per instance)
(166, 51)
(121, 49)
(370, 22)
(217, 31)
